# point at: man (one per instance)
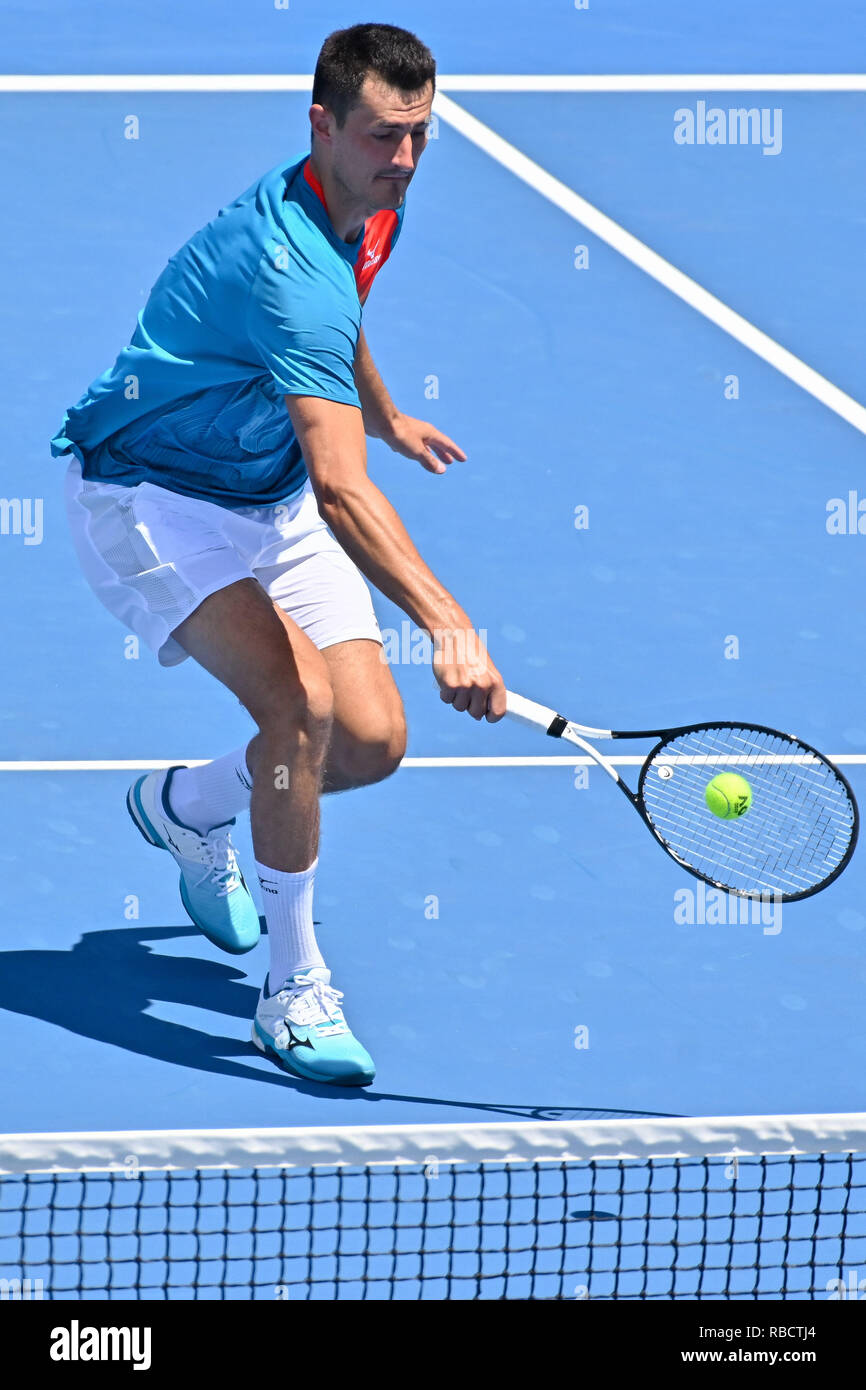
(221, 509)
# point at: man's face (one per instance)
(375, 155)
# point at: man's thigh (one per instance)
(257, 651)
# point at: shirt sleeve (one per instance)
(303, 326)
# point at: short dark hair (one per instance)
(394, 55)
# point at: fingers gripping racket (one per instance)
(797, 835)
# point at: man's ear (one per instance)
(321, 122)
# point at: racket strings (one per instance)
(793, 830)
(796, 833)
(776, 851)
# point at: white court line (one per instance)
(447, 82)
(153, 764)
(656, 82)
(651, 263)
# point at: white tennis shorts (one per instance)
(152, 556)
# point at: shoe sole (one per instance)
(273, 1056)
(140, 820)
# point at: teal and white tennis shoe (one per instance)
(302, 1028)
(212, 887)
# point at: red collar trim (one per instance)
(315, 185)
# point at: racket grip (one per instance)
(528, 711)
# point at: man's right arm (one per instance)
(333, 445)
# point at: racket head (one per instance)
(798, 834)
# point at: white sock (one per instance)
(288, 904)
(202, 797)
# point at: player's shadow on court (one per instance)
(104, 987)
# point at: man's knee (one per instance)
(371, 754)
(299, 708)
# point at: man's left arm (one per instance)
(415, 439)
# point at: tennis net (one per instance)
(767, 1207)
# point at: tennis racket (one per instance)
(798, 834)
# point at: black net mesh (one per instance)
(692, 1228)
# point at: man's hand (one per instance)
(423, 442)
(467, 678)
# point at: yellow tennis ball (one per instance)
(728, 796)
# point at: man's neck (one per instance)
(347, 218)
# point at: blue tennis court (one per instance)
(657, 524)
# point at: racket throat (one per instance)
(557, 726)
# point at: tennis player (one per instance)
(220, 507)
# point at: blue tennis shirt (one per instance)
(263, 302)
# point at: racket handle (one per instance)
(529, 712)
